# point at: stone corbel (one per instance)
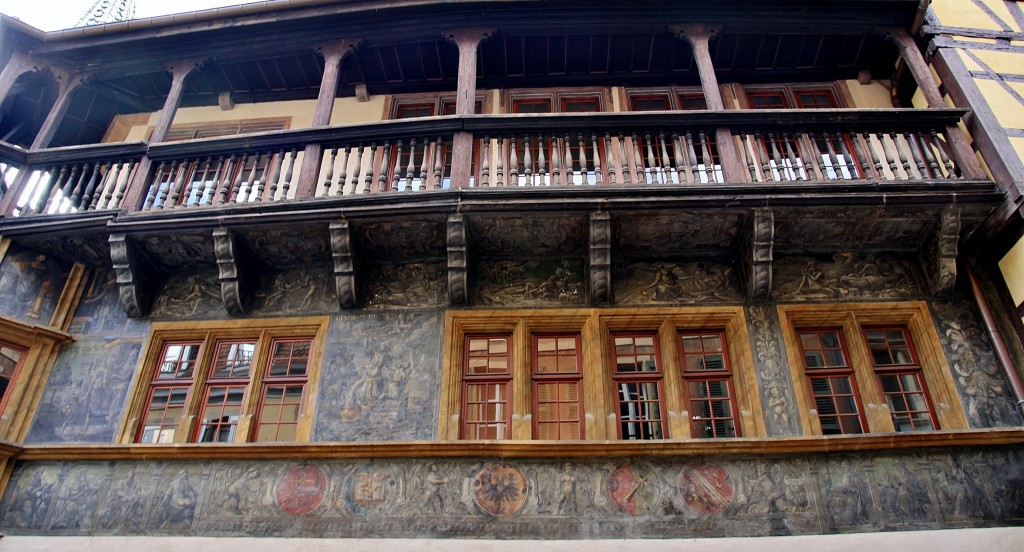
(600, 258)
(344, 264)
(938, 255)
(134, 281)
(759, 254)
(458, 261)
(235, 280)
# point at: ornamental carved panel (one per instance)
(529, 283)
(527, 236)
(676, 283)
(847, 276)
(679, 232)
(412, 285)
(190, 296)
(306, 290)
(584, 498)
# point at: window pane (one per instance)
(486, 355)
(178, 361)
(635, 354)
(233, 359)
(290, 358)
(640, 410)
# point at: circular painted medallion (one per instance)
(706, 488)
(629, 489)
(500, 490)
(300, 490)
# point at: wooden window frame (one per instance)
(286, 381)
(707, 376)
(13, 376)
(852, 318)
(598, 389)
(40, 346)
(830, 373)
(504, 379)
(265, 333)
(913, 368)
(557, 378)
(671, 94)
(639, 378)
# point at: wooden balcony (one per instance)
(434, 188)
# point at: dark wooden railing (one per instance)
(417, 155)
(12, 160)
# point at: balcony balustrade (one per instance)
(505, 151)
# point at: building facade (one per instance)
(514, 270)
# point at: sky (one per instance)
(50, 15)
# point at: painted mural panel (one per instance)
(305, 290)
(773, 379)
(412, 285)
(986, 398)
(676, 283)
(380, 379)
(529, 283)
(191, 296)
(520, 499)
(99, 313)
(30, 285)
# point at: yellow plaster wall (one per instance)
(1012, 267)
(964, 13)
(870, 95)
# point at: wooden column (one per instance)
(961, 149)
(334, 53)
(462, 147)
(699, 36)
(179, 72)
(60, 107)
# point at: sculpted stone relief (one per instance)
(668, 283)
(530, 283)
(380, 378)
(30, 285)
(772, 372)
(846, 276)
(85, 394)
(536, 237)
(406, 285)
(190, 296)
(520, 499)
(983, 390)
(305, 290)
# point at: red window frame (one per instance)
(179, 380)
(895, 373)
(234, 380)
(548, 412)
(286, 382)
(633, 386)
(9, 371)
(826, 378)
(475, 412)
(708, 415)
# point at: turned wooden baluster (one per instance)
(691, 155)
(166, 183)
(917, 153)
(51, 184)
(763, 156)
(67, 190)
(232, 184)
(584, 169)
(627, 175)
(542, 162)
(184, 171)
(750, 152)
(596, 160)
(245, 194)
(353, 183)
(877, 155)
(385, 162)
(212, 186)
(485, 162)
(438, 164)
(557, 164)
(708, 161)
(423, 166)
(368, 177)
(289, 173)
(946, 161)
(198, 181)
(666, 165)
(651, 174)
(570, 163)
(103, 201)
(638, 162)
(929, 155)
(850, 158)
(527, 161)
(776, 157)
(892, 158)
(95, 188)
(608, 158)
(329, 172)
(151, 192)
(901, 153)
(837, 165)
(678, 159)
(792, 157)
(396, 170)
(274, 179)
(513, 161)
(862, 145)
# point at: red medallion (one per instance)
(300, 490)
(706, 488)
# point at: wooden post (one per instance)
(19, 64)
(46, 132)
(699, 36)
(465, 100)
(960, 148)
(334, 53)
(137, 187)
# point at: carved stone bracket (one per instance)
(758, 255)
(600, 258)
(458, 261)
(938, 255)
(134, 282)
(235, 281)
(344, 264)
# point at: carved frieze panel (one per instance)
(847, 276)
(672, 283)
(31, 284)
(533, 236)
(679, 232)
(409, 285)
(835, 228)
(85, 395)
(90, 248)
(529, 283)
(585, 498)
(982, 387)
(180, 250)
(298, 291)
(409, 238)
(189, 297)
(298, 245)
(380, 379)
